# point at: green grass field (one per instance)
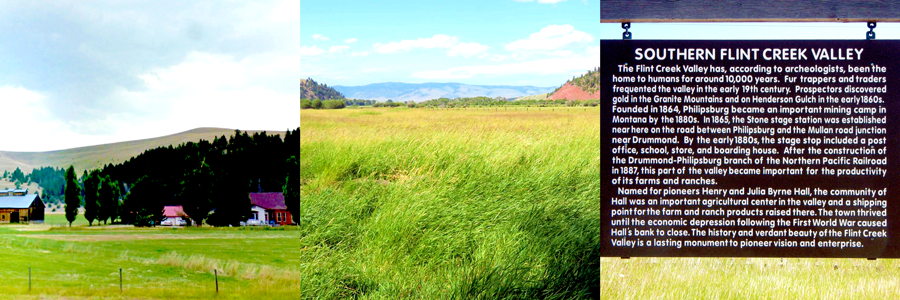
(421, 203)
(156, 263)
(505, 204)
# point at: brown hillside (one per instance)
(572, 92)
(93, 157)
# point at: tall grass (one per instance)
(750, 278)
(453, 203)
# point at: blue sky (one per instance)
(499, 42)
(78, 73)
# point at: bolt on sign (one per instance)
(750, 148)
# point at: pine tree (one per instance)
(91, 200)
(142, 206)
(73, 195)
(108, 195)
(196, 192)
(291, 189)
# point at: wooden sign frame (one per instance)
(675, 11)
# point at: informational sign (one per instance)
(750, 148)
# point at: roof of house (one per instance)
(268, 200)
(173, 211)
(18, 201)
(5, 191)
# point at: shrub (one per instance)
(333, 104)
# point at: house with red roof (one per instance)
(175, 216)
(268, 208)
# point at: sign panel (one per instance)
(750, 148)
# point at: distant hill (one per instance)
(584, 87)
(534, 97)
(93, 157)
(426, 91)
(310, 89)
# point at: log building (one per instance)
(17, 206)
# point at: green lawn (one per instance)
(159, 263)
(60, 220)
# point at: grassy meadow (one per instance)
(473, 203)
(494, 203)
(157, 263)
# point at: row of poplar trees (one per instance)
(211, 180)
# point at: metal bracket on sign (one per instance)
(627, 35)
(871, 34)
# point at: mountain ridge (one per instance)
(310, 89)
(400, 91)
(95, 156)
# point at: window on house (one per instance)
(278, 215)
(256, 215)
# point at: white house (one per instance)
(260, 217)
(174, 216)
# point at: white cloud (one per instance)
(55, 134)
(203, 90)
(542, 1)
(467, 49)
(209, 90)
(362, 53)
(350, 40)
(24, 106)
(436, 41)
(498, 57)
(286, 11)
(319, 37)
(560, 53)
(551, 37)
(556, 65)
(338, 49)
(130, 88)
(311, 51)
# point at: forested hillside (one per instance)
(310, 89)
(589, 82)
(202, 176)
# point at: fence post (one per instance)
(29, 278)
(120, 280)
(216, 272)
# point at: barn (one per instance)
(268, 208)
(18, 206)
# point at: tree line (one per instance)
(211, 180)
(500, 101)
(334, 103)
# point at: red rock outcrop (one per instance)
(572, 92)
